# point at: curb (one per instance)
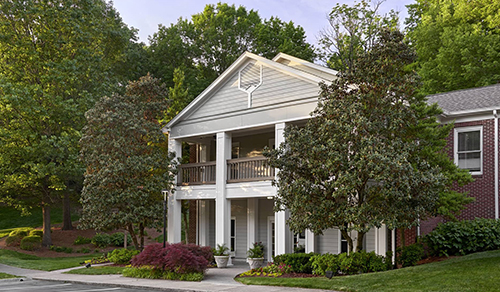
(17, 279)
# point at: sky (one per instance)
(146, 15)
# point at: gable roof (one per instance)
(468, 100)
(233, 69)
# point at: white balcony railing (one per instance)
(196, 173)
(249, 169)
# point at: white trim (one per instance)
(232, 253)
(270, 220)
(305, 63)
(465, 119)
(458, 130)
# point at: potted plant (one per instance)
(256, 255)
(221, 255)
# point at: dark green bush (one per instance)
(326, 262)
(83, 250)
(13, 240)
(354, 263)
(409, 255)
(82, 240)
(299, 262)
(36, 233)
(151, 273)
(464, 237)
(61, 249)
(31, 242)
(117, 239)
(122, 256)
(101, 240)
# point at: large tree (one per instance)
(374, 151)
(457, 42)
(127, 164)
(55, 58)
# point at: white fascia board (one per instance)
(472, 112)
(305, 63)
(229, 71)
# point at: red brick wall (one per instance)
(483, 186)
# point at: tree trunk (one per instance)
(47, 238)
(141, 235)
(347, 237)
(186, 220)
(67, 224)
(359, 243)
(191, 235)
(130, 228)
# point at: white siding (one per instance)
(370, 240)
(328, 242)
(211, 223)
(265, 210)
(239, 211)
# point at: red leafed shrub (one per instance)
(179, 258)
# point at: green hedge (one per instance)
(122, 256)
(299, 262)
(31, 242)
(464, 237)
(354, 263)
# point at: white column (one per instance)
(282, 234)
(252, 221)
(310, 241)
(222, 205)
(174, 205)
(381, 240)
(203, 222)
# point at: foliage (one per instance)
(36, 233)
(122, 256)
(207, 44)
(61, 249)
(325, 262)
(13, 240)
(476, 272)
(256, 251)
(101, 270)
(25, 261)
(56, 57)
(299, 262)
(13, 218)
(457, 42)
(375, 151)
(177, 258)
(464, 237)
(221, 250)
(118, 238)
(271, 270)
(97, 260)
(409, 255)
(82, 240)
(353, 31)
(152, 273)
(350, 264)
(31, 242)
(127, 164)
(101, 240)
(21, 232)
(83, 250)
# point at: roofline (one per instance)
(306, 63)
(304, 75)
(469, 112)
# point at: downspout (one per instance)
(495, 114)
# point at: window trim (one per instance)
(481, 148)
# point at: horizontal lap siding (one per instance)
(239, 211)
(265, 210)
(329, 241)
(370, 240)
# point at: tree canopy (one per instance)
(127, 165)
(55, 58)
(457, 42)
(374, 150)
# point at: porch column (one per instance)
(222, 205)
(174, 205)
(252, 221)
(310, 241)
(381, 240)
(282, 234)
(203, 223)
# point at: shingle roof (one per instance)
(468, 99)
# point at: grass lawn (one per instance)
(11, 218)
(475, 272)
(20, 260)
(102, 270)
(7, 276)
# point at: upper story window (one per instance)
(469, 148)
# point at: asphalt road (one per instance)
(49, 286)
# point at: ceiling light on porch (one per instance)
(270, 197)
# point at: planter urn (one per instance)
(221, 261)
(255, 263)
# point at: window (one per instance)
(233, 236)
(469, 149)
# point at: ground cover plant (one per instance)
(474, 272)
(20, 260)
(101, 270)
(178, 261)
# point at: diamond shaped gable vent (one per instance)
(250, 78)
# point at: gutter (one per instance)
(495, 115)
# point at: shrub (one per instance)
(118, 239)
(409, 255)
(179, 258)
(299, 262)
(83, 250)
(151, 273)
(13, 240)
(31, 242)
(220, 250)
(271, 270)
(122, 256)
(36, 233)
(22, 232)
(82, 240)
(464, 237)
(101, 240)
(61, 249)
(326, 262)
(257, 251)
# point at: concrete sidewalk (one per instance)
(215, 280)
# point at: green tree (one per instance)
(374, 151)
(127, 165)
(353, 31)
(457, 42)
(55, 58)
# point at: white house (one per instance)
(230, 123)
